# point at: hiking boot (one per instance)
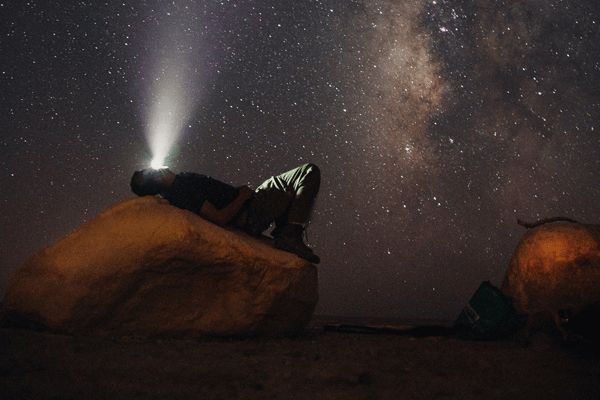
(289, 239)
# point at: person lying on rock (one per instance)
(286, 199)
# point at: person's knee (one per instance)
(313, 176)
(313, 169)
(313, 166)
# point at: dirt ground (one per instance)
(322, 363)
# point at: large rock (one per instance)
(555, 267)
(145, 268)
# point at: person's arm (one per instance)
(224, 215)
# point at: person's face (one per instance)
(164, 175)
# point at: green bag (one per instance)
(489, 315)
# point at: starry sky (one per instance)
(436, 124)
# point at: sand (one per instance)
(322, 363)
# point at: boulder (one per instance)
(555, 267)
(145, 268)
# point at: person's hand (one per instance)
(246, 192)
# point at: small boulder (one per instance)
(145, 268)
(555, 268)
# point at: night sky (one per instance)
(436, 124)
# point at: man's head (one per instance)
(149, 182)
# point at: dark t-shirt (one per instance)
(190, 190)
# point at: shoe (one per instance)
(290, 239)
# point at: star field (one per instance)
(436, 125)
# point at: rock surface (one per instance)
(145, 268)
(555, 267)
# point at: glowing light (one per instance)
(174, 88)
(157, 163)
(172, 104)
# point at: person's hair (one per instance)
(143, 183)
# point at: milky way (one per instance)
(436, 125)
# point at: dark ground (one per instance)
(320, 364)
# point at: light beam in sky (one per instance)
(169, 111)
(176, 78)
